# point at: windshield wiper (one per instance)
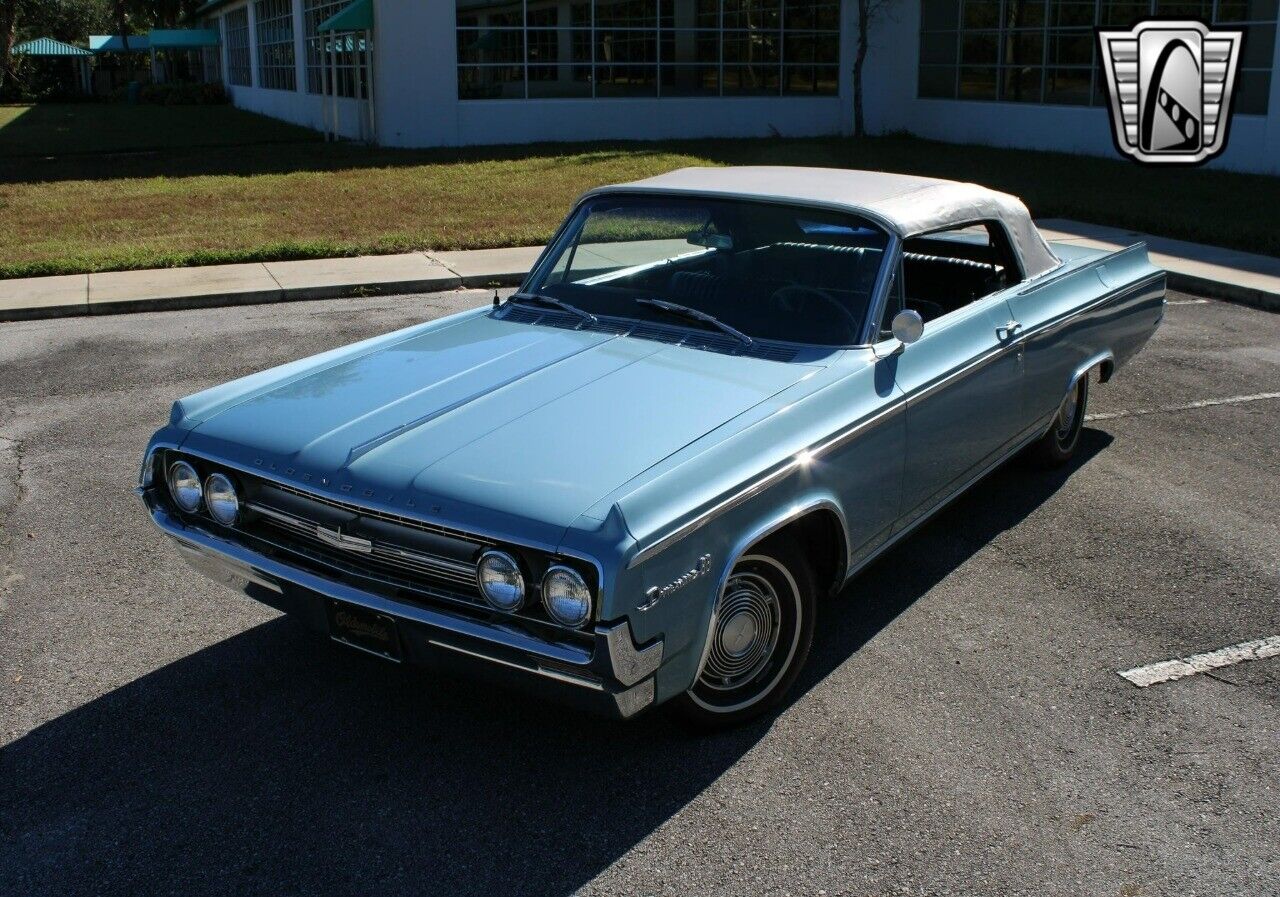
(684, 311)
(527, 298)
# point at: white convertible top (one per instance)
(905, 204)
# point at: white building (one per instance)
(456, 72)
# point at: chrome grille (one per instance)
(377, 515)
(360, 549)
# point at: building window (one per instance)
(211, 57)
(237, 33)
(349, 49)
(521, 49)
(276, 69)
(1045, 51)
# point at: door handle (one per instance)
(1007, 331)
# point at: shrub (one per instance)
(178, 93)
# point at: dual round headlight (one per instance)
(501, 582)
(217, 493)
(564, 592)
(221, 499)
(566, 597)
(184, 486)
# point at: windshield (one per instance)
(769, 271)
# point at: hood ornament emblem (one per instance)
(338, 539)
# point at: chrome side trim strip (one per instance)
(1035, 433)
(761, 484)
(844, 436)
(1052, 324)
(1037, 285)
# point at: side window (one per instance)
(947, 270)
(894, 302)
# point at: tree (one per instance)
(65, 20)
(869, 13)
(122, 22)
(8, 30)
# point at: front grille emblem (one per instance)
(338, 539)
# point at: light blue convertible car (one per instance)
(718, 395)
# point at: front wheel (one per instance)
(761, 632)
(1056, 447)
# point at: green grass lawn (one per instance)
(56, 129)
(309, 199)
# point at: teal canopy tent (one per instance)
(49, 47)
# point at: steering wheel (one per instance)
(795, 298)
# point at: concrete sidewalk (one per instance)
(257, 282)
(1206, 270)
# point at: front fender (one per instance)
(684, 616)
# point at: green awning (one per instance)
(47, 46)
(114, 43)
(183, 39)
(357, 16)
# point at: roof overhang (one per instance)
(184, 39)
(114, 43)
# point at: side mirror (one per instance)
(907, 326)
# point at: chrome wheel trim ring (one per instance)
(747, 629)
(794, 596)
(1067, 412)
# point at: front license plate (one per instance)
(365, 629)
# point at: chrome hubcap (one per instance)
(1067, 414)
(746, 632)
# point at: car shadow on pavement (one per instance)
(276, 762)
(910, 569)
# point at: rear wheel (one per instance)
(763, 627)
(1058, 445)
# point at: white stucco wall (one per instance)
(1253, 142)
(296, 106)
(415, 64)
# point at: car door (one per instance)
(964, 405)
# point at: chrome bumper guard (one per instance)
(613, 675)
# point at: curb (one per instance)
(1228, 292)
(1214, 289)
(259, 297)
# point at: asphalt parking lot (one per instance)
(960, 729)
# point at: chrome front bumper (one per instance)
(612, 675)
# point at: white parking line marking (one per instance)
(1189, 406)
(1168, 670)
(1188, 301)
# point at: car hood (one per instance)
(486, 418)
